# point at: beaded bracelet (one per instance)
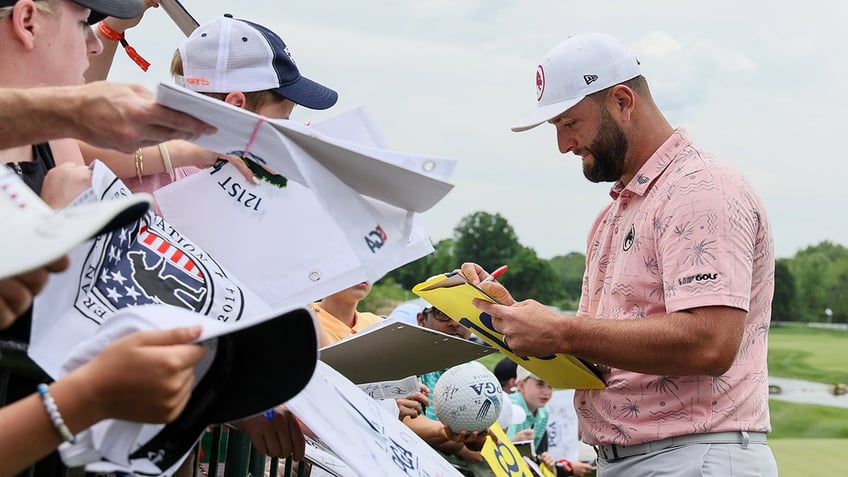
(55, 416)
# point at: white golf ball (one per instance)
(468, 397)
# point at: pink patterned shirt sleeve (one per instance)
(687, 232)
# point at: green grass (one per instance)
(489, 361)
(792, 420)
(384, 297)
(808, 353)
(810, 457)
(808, 440)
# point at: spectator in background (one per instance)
(338, 315)
(274, 89)
(339, 319)
(248, 66)
(563, 437)
(533, 395)
(408, 311)
(505, 372)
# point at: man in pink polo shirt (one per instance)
(678, 287)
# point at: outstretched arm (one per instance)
(180, 154)
(277, 436)
(111, 115)
(158, 365)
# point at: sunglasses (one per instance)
(437, 315)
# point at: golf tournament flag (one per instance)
(331, 211)
(147, 261)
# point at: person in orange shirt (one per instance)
(338, 315)
(340, 319)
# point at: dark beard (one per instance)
(608, 151)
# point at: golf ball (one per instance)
(468, 397)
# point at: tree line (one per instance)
(806, 285)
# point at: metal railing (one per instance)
(240, 458)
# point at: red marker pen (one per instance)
(497, 273)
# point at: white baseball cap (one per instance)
(408, 311)
(577, 67)
(227, 54)
(251, 365)
(523, 374)
(35, 235)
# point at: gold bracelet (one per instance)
(139, 164)
(166, 158)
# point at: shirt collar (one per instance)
(655, 165)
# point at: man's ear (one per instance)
(24, 22)
(622, 101)
(236, 98)
(420, 319)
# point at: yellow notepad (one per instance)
(452, 294)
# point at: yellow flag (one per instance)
(503, 458)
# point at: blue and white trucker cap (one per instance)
(229, 54)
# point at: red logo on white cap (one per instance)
(540, 83)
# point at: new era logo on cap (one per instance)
(577, 67)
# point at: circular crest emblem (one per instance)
(540, 83)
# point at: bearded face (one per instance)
(608, 151)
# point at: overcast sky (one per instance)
(759, 83)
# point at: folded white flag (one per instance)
(298, 241)
(411, 182)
